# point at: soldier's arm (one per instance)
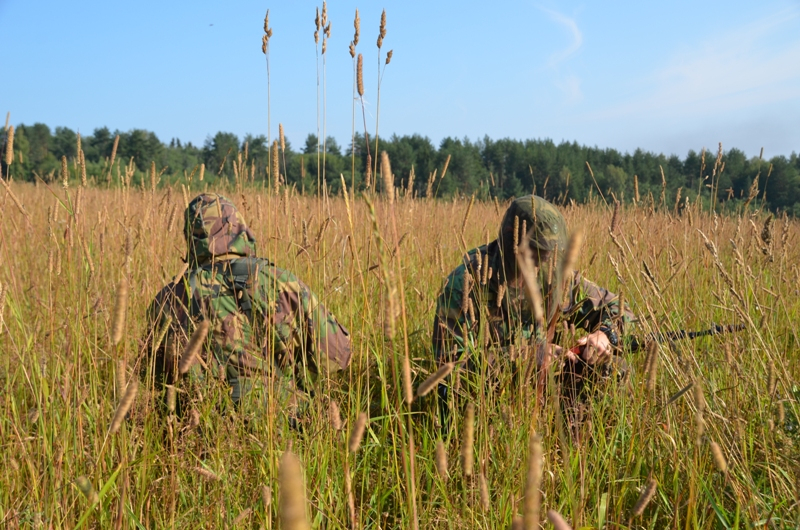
(301, 329)
(453, 329)
(593, 306)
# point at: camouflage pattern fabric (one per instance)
(261, 317)
(482, 304)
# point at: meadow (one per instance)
(704, 436)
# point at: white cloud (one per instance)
(577, 37)
(746, 67)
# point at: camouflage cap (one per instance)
(214, 227)
(544, 224)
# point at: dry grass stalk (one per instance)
(207, 474)
(357, 26)
(14, 198)
(10, 146)
(120, 310)
(533, 481)
(87, 489)
(652, 365)
(242, 516)
(382, 29)
(444, 170)
(334, 415)
(189, 356)
(614, 218)
(532, 292)
(2, 306)
(645, 497)
(719, 458)
(88, 256)
(431, 382)
(441, 460)
(293, 494)
(275, 165)
(484, 488)
(64, 172)
(408, 390)
(388, 178)
(266, 496)
(468, 441)
(357, 433)
(557, 521)
(121, 380)
(124, 405)
(466, 214)
(360, 81)
(171, 398)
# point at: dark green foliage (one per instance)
(488, 168)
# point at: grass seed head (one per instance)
(196, 341)
(441, 460)
(293, 494)
(388, 178)
(645, 497)
(120, 309)
(468, 441)
(557, 521)
(434, 379)
(357, 433)
(334, 416)
(533, 482)
(719, 458)
(10, 146)
(124, 405)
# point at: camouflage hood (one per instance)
(214, 227)
(543, 225)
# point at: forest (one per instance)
(486, 167)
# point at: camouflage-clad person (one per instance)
(260, 316)
(482, 307)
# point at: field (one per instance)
(722, 454)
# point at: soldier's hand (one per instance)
(596, 348)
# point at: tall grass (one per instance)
(59, 372)
(705, 435)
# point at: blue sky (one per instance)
(663, 76)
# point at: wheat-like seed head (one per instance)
(334, 416)
(645, 497)
(120, 309)
(194, 346)
(357, 433)
(389, 56)
(10, 146)
(533, 481)
(441, 460)
(64, 172)
(719, 458)
(293, 494)
(484, 488)
(557, 520)
(124, 405)
(434, 379)
(388, 178)
(468, 441)
(360, 85)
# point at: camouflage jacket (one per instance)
(260, 315)
(494, 313)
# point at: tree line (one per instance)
(486, 168)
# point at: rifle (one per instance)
(636, 344)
